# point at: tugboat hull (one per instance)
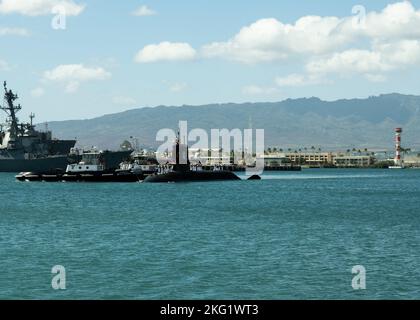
(103, 177)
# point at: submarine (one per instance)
(181, 171)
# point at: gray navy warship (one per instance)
(23, 148)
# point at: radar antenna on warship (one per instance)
(11, 110)
(22, 147)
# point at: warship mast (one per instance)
(23, 148)
(11, 110)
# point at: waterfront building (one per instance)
(311, 158)
(350, 161)
(275, 160)
(412, 159)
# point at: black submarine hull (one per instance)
(191, 176)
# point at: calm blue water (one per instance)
(290, 236)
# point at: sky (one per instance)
(76, 59)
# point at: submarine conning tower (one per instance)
(182, 161)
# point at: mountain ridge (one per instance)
(299, 122)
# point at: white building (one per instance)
(350, 161)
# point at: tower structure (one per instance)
(398, 161)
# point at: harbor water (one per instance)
(292, 235)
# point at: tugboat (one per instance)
(91, 168)
(111, 159)
(139, 163)
(181, 171)
(23, 148)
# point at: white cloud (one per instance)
(74, 74)
(298, 80)
(398, 20)
(400, 53)
(39, 7)
(178, 87)
(144, 11)
(350, 61)
(166, 51)
(292, 80)
(375, 77)
(381, 58)
(270, 40)
(124, 101)
(383, 41)
(4, 66)
(37, 92)
(253, 90)
(13, 32)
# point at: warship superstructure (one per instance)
(23, 148)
